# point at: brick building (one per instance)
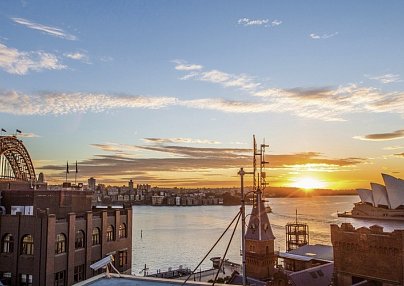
(52, 237)
(367, 254)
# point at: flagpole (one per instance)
(67, 169)
(75, 175)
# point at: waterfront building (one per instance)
(51, 237)
(381, 201)
(367, 254)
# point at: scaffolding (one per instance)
(297, 234)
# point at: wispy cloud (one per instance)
(180, 141)
(323, 36)
(324, 103)
(28, 135)
(53, 31)
(241, 81)
(228, 105)
(317, 103)
(184, 66)
(17, 62)
(115, 147)
(393, 148)
(386, 78)
(276, 22)
(252, 22)
(182, 160)
(382, 136)
(400, 155)
(78, 56)
(13, 102)
(259, 22)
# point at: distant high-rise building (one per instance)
(131, 186)
(92, 184)
(41, 178)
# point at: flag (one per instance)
(18, 131)
(3, 130)
(67, 168)
(76, 168)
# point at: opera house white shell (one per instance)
(390, 196)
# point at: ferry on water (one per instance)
(384, 202)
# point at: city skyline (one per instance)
(170, 93)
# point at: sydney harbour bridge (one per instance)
(15, 162)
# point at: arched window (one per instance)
(7, 243)
(79, 242)
(60, 244)
(96, 236)
(110, 233)
(122, 231)
(27, 246)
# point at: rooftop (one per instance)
(129, 280)
(309, 252)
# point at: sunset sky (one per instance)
(170, 92)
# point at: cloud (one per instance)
(180, 140)
(251, 22)
(116, 148)
(182, 65)
(13, 102)
(27, 135)
(258, 22)
(78, 56)
(185, 160)
(387, 78)
(276, 22)
(393, 148)
(330, 104)
(53, 31)
(327, 104)
(16, 62)
(229, 106)
(400, 155)
(382, 136)
(323, 36)
(323, 103)
(241, 81)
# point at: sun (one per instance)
(308, 183)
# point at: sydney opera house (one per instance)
(381, 201)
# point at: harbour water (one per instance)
(166, 237)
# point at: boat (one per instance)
(382, 202)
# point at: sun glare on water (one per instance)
(308, 183)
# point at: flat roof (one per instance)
(130, 280)
(317, 251)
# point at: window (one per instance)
(123, 258)
(110, 233)
(25, 279)
(60, 246)
(78, 273)
(79, 242)
(7, 243)
(60, 278)
(122, 231)
(27, 245)
(96, 236)
(5, 278)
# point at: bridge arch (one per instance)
(15, 162)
